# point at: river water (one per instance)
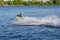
(8, 31)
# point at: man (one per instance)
(19, 16)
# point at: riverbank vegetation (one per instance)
(33, 2)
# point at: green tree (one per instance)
(1, 2)
(41, 2)
(33, 1)
(21, 2)
(46, 3)
(55, 1)
(11, 2)
(51, 2)
(58, 1)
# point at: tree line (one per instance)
(33, 2)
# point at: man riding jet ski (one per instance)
(19, 16)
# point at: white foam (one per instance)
(48, 20)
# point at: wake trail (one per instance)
(48, 20)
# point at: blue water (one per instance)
(9, 31)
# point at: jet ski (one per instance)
(26, 21)
(19, 16)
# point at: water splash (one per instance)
(48, 20)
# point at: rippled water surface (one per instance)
(8, 31)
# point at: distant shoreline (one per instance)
(13, 5)
(30, 5)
